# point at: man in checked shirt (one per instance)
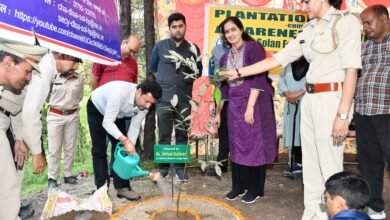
(372, 105)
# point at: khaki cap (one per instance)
(30, 53)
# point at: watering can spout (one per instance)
(137, 172)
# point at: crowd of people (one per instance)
(318, 110)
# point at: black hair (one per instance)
(336, 3)
(176, 17)
(238, 23)
(15, 58)
(151, 86)
(379, 10)
(353, 188)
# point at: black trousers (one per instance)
(99, 148)
(249, 178)
(223, 135)
(165, 120)
(373, 144)
(297, 152)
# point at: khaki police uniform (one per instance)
(37, 92)
(11, 105)
(10, 181)
(63, 122)
(330, 50)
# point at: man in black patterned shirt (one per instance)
(372, 105)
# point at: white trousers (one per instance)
(320, 158)
(62, 132)
(9, 181)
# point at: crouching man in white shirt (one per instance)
(108, 104)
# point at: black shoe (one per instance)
(52, 183)
(70, 180)
(297, 168)
(164, 172)
(232, 195)
(249, 198)
(26, 211)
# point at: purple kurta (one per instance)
(251, 145)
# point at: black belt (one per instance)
(7, 113)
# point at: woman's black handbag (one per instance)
(299, 68)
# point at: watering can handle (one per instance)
(119, 147)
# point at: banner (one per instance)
(194, 10)
(82, 28)
(272, 28)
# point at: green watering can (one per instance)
(125, 165)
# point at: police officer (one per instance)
(331, 43)
(17, 61)
(37, 92)
(63, 124)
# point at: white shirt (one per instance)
(37, 92)
(116, 100)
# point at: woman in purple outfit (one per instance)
(251, 118)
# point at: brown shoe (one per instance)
(128, 194)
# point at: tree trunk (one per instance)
(125, 17)
(150, 120)
(149, 29)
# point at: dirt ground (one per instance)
(283, 197)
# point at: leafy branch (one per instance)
(217, 165)
(190, 62)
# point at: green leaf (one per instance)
(193, 49)
(184, 110)
(188, 118)
(178, 121)
(194, 106)
(203, 166)
(218, 170)
(178, 65)
(189, 75)
(217, 95)
(174, 100)
(168, 109)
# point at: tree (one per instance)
(125, 17)
(149, 29)
(150, 120)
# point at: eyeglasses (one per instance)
(133, 52)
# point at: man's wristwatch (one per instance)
(342, 116)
